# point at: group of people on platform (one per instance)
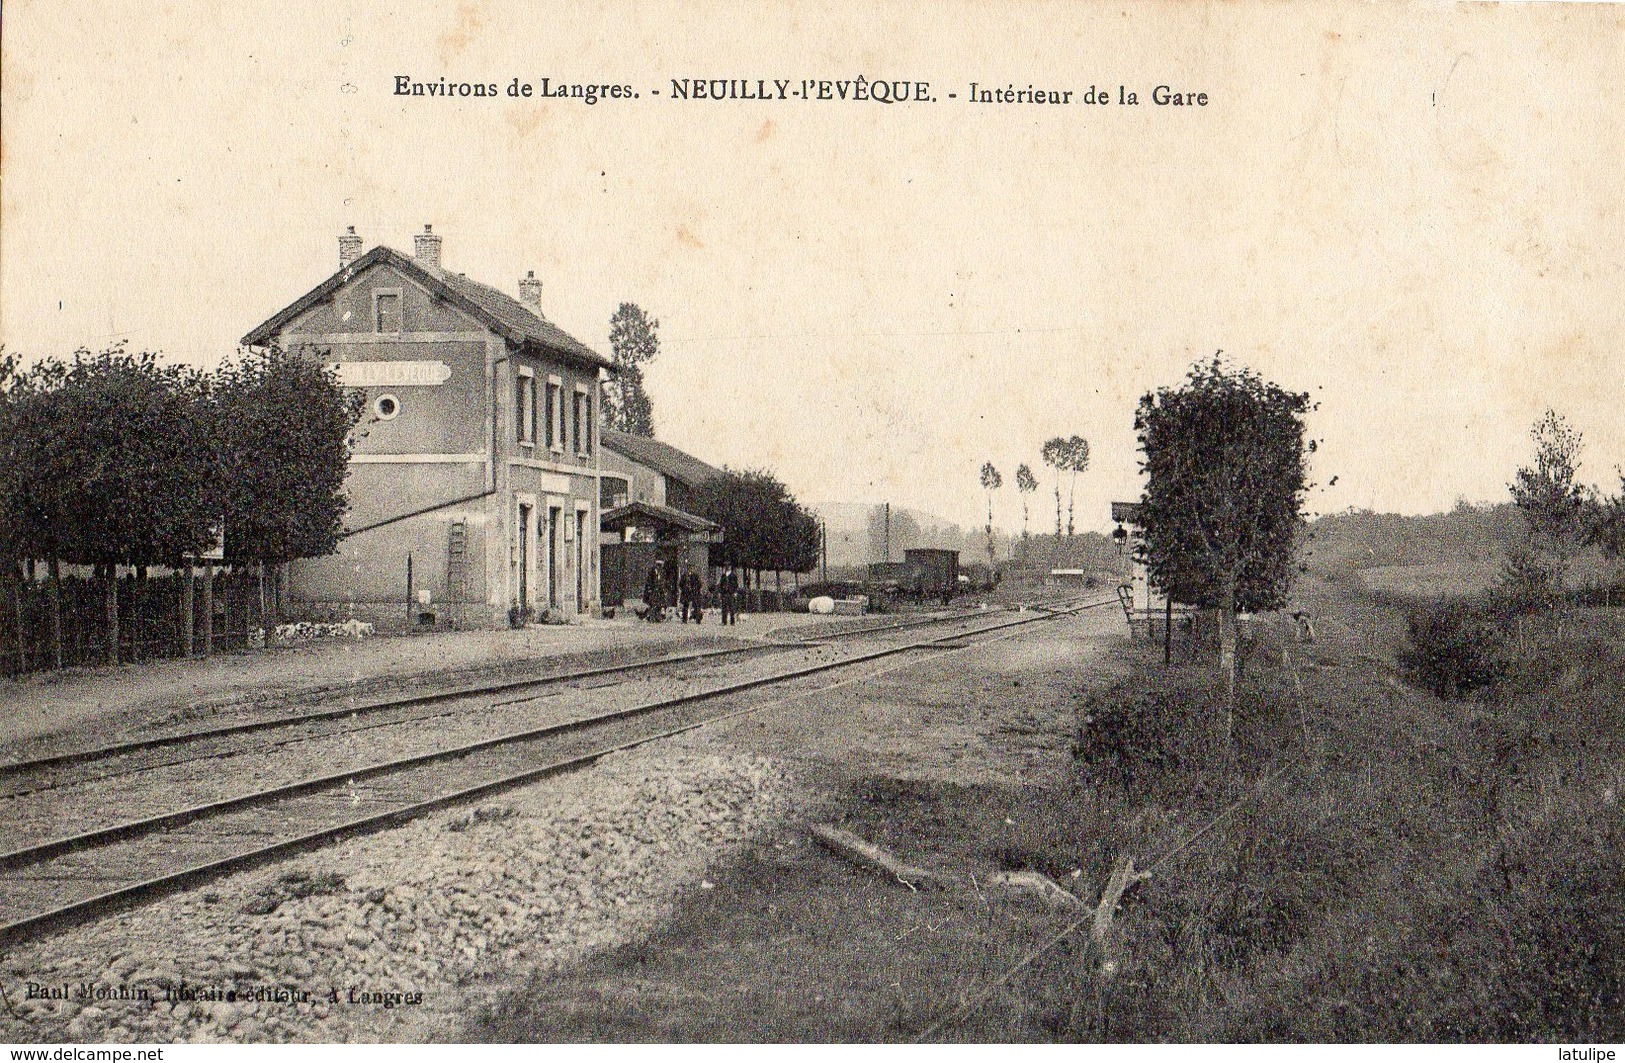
(691, 595)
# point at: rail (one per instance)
(167, 827)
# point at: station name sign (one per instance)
(391, 374)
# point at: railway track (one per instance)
(70, 878)
(23, 777)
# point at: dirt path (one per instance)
(1001, 712)
(952, 761)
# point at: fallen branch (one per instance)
(1123, 877)
(854, 849)
(872, 857)
(1040, 885)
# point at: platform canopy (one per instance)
(665, 522)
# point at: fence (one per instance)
(151, 623)
(1599, 597)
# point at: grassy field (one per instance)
(1442, 580)
(1364, 863)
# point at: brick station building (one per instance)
(477, 457)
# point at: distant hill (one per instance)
(1465, 547)
(856, 533)
(1436, 554)
(1360, 539)
(857, 536)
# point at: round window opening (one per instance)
(386, 407)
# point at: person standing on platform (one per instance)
(654, 595)
(728, 592)
(689, 589)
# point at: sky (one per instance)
(1412, 211)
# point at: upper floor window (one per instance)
(386, 311)
(524, 407)
(583, 422)
(555, 413)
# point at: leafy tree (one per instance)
(1069, 455)
(282, 421)
(11, 546)
(12, 552)
(21, 537)
(634, 340)
(114, 465)
(763, 527)
(1606, 527)
(1225, 467)
(798, 539)
(991, 482)
(1054, 455)
(1554, 505)
(1026, 484)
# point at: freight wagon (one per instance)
(923, 575)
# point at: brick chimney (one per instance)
(349, 247)
(426, 247)
(530, 291)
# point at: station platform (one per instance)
(82, 702)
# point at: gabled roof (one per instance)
(663, 458)
(661, 518)
(502, 314)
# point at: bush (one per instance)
(1525, 949)
(1460, 647)
(1167, 735)
(1142, 739)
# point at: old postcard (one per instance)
(815, 521)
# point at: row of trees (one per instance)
(764, 528)
(117, 459)
(1067, 455)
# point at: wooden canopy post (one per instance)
(208, 608)
(1168, 632)
(188, 619)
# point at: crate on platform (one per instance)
(852, 606)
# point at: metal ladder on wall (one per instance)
(457, 571)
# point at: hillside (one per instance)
(857, 536)
(1361, 539)
(1435, 554)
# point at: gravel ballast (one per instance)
(283, 757)
(401, 935)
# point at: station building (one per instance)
(647, 488)
(641, 469)
(474, 482)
